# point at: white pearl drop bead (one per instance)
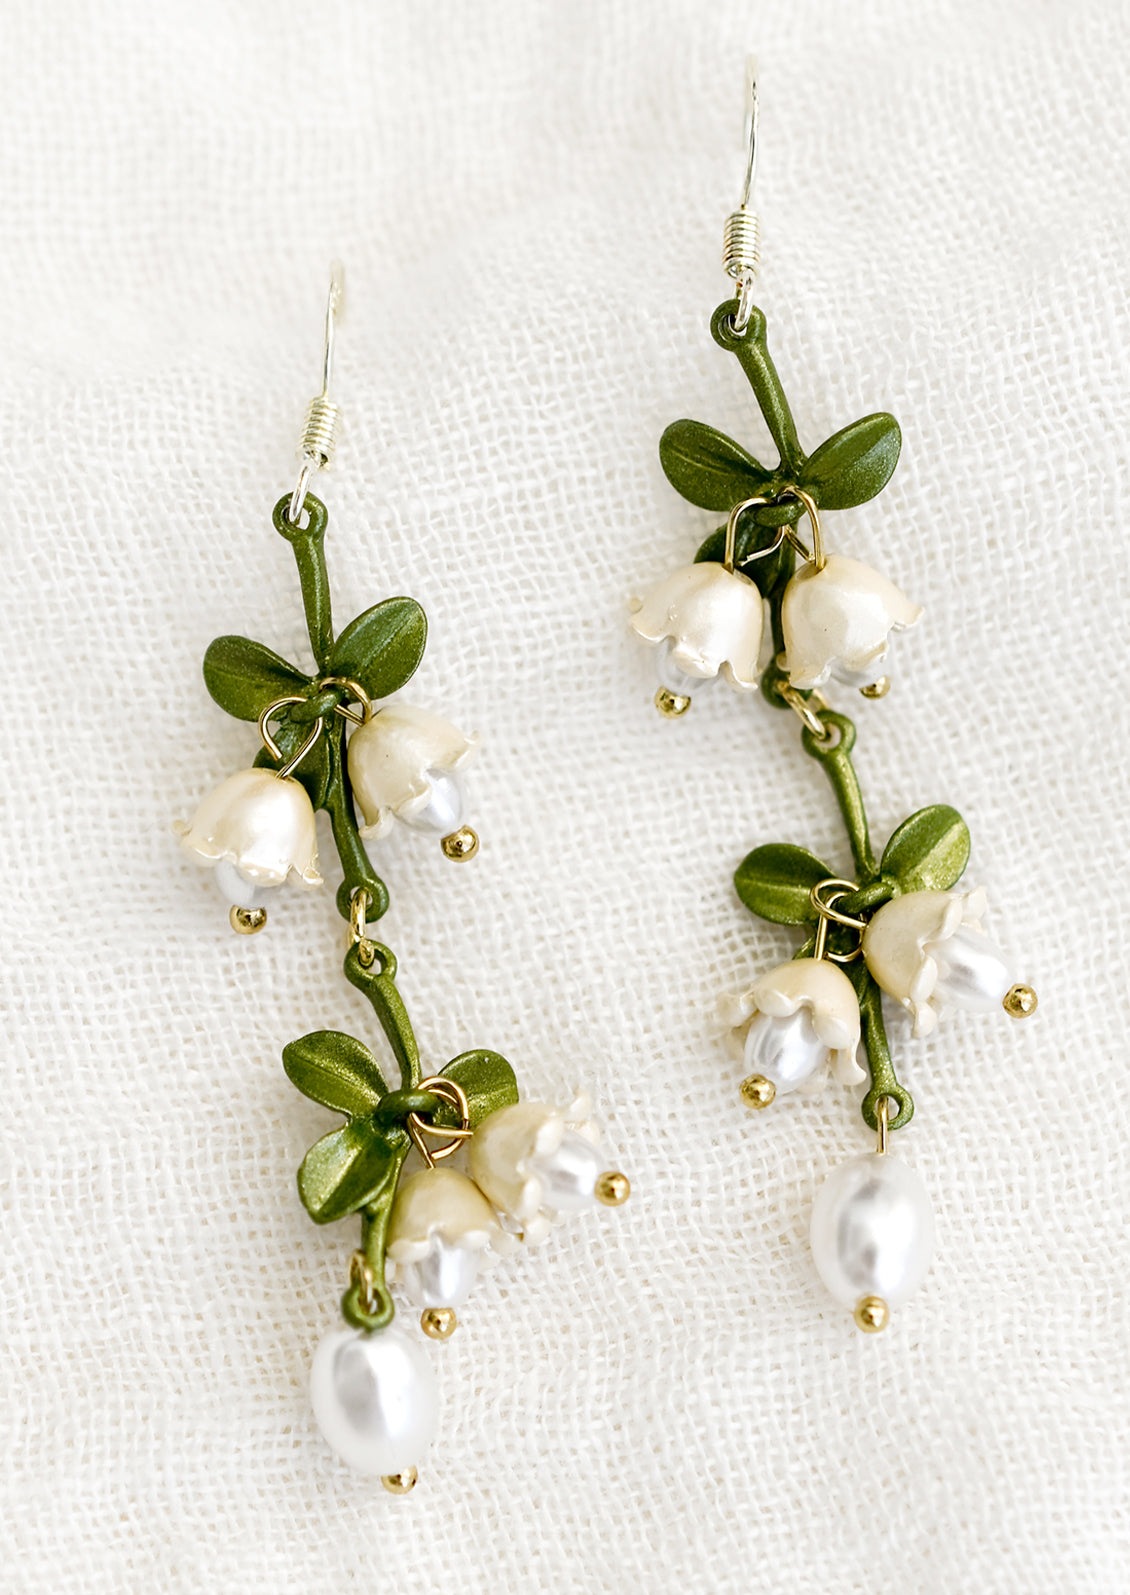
(238, 890)
(872, 1230)
(443, 812)
(786, 1051)
(677, 681)
(569, 1174)
(374, 1398)
(441, 1279)
(973, 973)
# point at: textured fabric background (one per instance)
(529, 198)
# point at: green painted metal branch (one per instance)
(374, 1236)
(309, 555)
(378, 982)
(884, 1080)
(358, 873)
(838, 767)
(752, 352)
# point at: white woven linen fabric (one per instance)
(528, 199)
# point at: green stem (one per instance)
(753, 356)
(374, 1237)
(884, 1080)
(358, 873)
(309, 555)
(840, 771)
(378, 981)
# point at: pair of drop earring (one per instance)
(332, 739)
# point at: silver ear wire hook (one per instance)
(319, 432)
(741, 238)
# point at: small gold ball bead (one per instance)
(400, 1483)
(871, 1314)
(613, 1190)
(1020, 1002)
(757, 1091)
(439, 1323)
(246, 921)
(461, 844)
(877, 689)
(671, 704)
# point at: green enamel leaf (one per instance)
(774, 882)
(487, 1079)
(346, 1170)
(382, 647)
(244, 677)
(708, 468)
(335, 1070)
(855, 464)
(314, 772)
(929, 851)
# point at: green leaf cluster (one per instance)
(356, 1167)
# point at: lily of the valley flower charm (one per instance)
(707, 620)
(256, 830)
(404, 764)
(927, 949)
(837, 620)
(793, 1024)
(900, 924)
(333, 740)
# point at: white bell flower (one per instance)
(256, 829)
(711, 619)
(837, 623)
(402, 765)
(535, 1162)
(441, 1224)
(796, 1021)
(927, 950)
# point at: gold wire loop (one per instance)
(320, 428)
(361, 1275)
(816, 555)
(823, 902)
(732, 531)
(803, 707)
(272, 746)
(355, 690)
(882, 1108)
(418, 1127)
(358, 906)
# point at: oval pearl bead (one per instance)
(872, 1230)
(238, 890)
(441, 1279)
(374, 1398)
(569, 1174)
(973, 973)
(443, 812)
(786, 1051)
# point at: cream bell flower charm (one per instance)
(792, 1025)
(403, 765)
(441, 1224)
(709, 619)
(837, 617)
(534, 1162)
(927, 950)
(257, 831)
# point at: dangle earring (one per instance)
(903, 926)
(331, 741)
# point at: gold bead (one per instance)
(877, 689)
(613, 1189)
(757, 1091)
(1020, 1002)
(671, 704)
(439, 1323)
(400, 1483)
(871, 1314)
(461, 844)
(246, 921)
